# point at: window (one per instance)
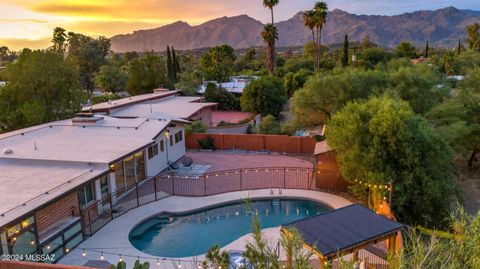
(171, 141)
(162, 146)
(86, 194)
(129, 171)
(152, 151)
(178, 137)
(140, 165)
(119, 176)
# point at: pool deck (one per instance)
(113, 237)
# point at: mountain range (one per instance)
(442, 28)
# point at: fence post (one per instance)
(155, 187)
(205, 184)
(173, 183)
(241, 180)
(136, 191)
(89, 222)
(284, 178)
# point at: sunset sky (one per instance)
(29, 23)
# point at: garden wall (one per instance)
(255, 142)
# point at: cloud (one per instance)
(20, 43)
(71, 9)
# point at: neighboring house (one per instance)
(236, 84)
(52, 171)
(160, 102)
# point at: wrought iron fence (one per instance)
(118, 203)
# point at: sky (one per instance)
(29, 23)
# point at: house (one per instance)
(236, 84)
(161, 102)
(51, 172)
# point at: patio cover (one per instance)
(345, 230)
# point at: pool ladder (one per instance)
(272, 192)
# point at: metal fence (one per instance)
(118, 203)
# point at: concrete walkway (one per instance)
(113, 237)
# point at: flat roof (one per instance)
(178, 106)
(114, 104)
(25, 183)
(105, 142)
(344, 229)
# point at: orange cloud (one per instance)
(71, 9)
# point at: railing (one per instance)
(116, 204)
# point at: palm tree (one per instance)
(59, 38)
(269, 35)
(270, 4)
(321, 11)
(309, 21)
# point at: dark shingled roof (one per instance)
(344, 229)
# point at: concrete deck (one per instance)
(113, 238)
(225, 160)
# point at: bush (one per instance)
(225, 100)
(269, 125)
(197, 127)
(105, 98)
(265, 95)
(207, 143)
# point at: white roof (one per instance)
(105, 142)
(59, 156)
(25, 183)
(181, 107)
(129, 100)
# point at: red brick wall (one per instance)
(59, 210)
(35, 265)
(277, 143)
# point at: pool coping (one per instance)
(114, 237)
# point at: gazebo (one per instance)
(345, 231)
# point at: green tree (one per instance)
(427, 48)
(216, 259)
(265, 95)
(406, 49)
(321, 12)
(170, 68)
(59, 40)
(217, 64)
(309, 19)
(345, 52)
(270, 35)
(42, 87)
(130, 56)
(111, 78)
(197, 127)
(270, 4)
(473, 36)
(146, 74)
(376, 55)
(175, 65)
(89, 54)
(225, 100)
(323, 94)
(382, 139)
(269, 125)
(295, 81)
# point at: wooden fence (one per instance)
(255, 142)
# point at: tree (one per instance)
(457, 120)
(170, 68)
(270, 35)
(265, 95)
(176, 65)
(426, 49)
(321, 12)
(295, 81)
(196, 127)
(382, 139)
(130, 56)
(216, 259)
(217, 63)
(111, 78)
(42, 87)
(405, 49)
(225, 100)
(459, 47)
(310, 21)
(59, 40)
(269, 125)
(375, 55)
(270, 4)
(323, 95)
(146, 74)
(89, 54)
(473, 36)
(345, 52)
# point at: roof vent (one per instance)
(8, 151)
(86, 119)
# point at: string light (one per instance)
(158, 262)
(83, 252)
(101, 256)
(120, 259)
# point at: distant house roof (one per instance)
(322, 147)
(345, 229)
(236, 84)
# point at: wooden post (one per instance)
(392, 244)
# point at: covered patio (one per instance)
(346, 231)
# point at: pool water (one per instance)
(194, 234)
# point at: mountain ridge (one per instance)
(442, 27)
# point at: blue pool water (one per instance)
(194, 234)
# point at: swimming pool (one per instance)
(195, 233)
